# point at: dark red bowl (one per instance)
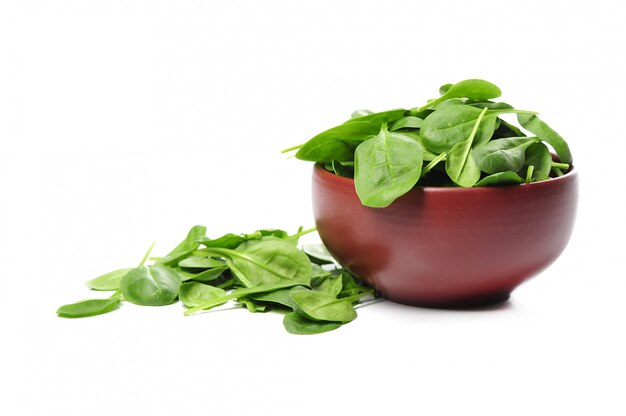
(447, 247)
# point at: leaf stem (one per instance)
(369, 302)
(217, 301)
(226, 283)
(240, 276)
(433, 163)
(289, 149)
(558, 165)
(558, 171)
(513, 111)
(117, 293)
(432, 103)
(301, 232)
(475, 128)
(147, 254)
(358, 296)
(529, 173)
(237, 293)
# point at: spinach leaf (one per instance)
(503, 154)
(451, 125)
(538, 127)
(360, 113)
(342, 169)
(500, 178)
(448, 103)
(108, 281)
(274, 232)
(506, 129)
(446, 127)
(272, 263)
(269, 235)
(379, 118)
(337, 143)
(538, 156)
(193, 294)
(239, 293)
(350, 286)
(490, 105)
(91, 307)
(188, 245)
(297, 324)
(207, 275)
(408, 122)
(331, 286)
(151, 285)
(318, 253)
(444, 88)
(280, 297)
(226, 241)
(474, 89)
(252, 306)
(319, 274)
(460, 165)
(319, 306)
(386, 167)
(427, 154)
(201, 262)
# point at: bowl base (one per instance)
(458, 304)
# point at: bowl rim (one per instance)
(571, 174)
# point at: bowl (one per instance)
(445, 247)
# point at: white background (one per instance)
(124, 122)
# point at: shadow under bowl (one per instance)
(445, 247)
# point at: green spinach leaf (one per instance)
(279, 297)
(91, 307)
(108, 281)
(201, 262)
(474, 89)
(386, 167)
(273, 263)
(338, 143)
(460, 165)
(408, 122)
(538, 156)
(451, 125)
(386, 117)
(538, 127)
(506, 129)
(503, 154)
(207, 275)
(500, 178)
(319, 306)
(297, 324)
(331, 286)
(360, 113)
(226, 241)
(188, 245)
(192, 294)
(318, 254)
(151, 285)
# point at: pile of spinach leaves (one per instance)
(264, 270)
(458, 139)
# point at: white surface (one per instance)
(122, 122)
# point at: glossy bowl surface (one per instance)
(447, 247)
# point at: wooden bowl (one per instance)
(447, 247)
